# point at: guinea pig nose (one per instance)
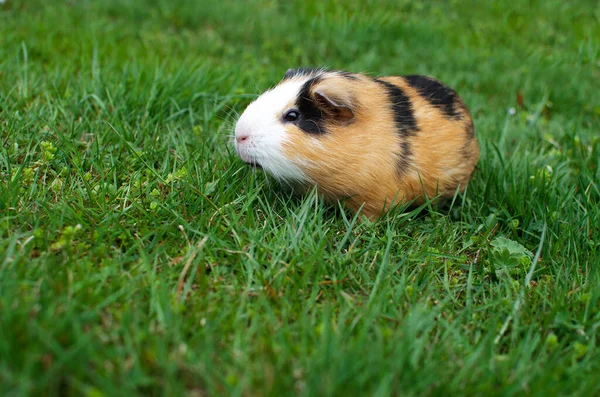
(241, 138)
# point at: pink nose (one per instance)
(241, 138)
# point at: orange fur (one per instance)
(358, 162)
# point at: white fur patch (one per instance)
(262, 124)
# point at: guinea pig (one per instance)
(372, 142)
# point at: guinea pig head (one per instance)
(285, 129)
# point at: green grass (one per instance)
(139, 256)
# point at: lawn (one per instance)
(140, 256)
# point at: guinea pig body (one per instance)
(372, 142)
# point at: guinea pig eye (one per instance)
(291, 115)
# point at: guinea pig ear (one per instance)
(340, 112)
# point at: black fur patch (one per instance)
(311, 118)
(406, 125)
(402, 107)
(405, 155)
(438, 94)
